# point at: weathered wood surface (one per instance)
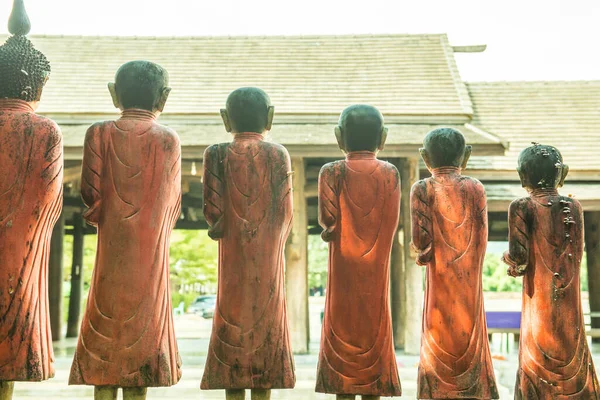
(359, 202)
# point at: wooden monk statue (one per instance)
(31, 162)
(131, 182)
(449, 233)
(359, 203)
(248, 206)
(545, 247)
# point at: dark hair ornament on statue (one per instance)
(23, 69)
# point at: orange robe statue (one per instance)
(359, 202)
(546, 248)
(449, 232)
(248, 205)
(131, 182)
(31, 162)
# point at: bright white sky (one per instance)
(527, 39)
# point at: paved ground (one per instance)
(193, 333)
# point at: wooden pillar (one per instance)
(592, 248)
(397, 292)
(76, 277)
(296, 257)
(413, 273)
(55, 278)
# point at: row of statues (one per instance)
(131, 183)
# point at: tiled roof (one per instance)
(402, 139)
(562, 114)
(500, 195)
(412, 75)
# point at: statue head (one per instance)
(361, 128)
(140, 84)
(23, 69)
(541, 167)
(248, 109)
(445, 147)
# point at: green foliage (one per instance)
(193, 258)
(495, 278)
(187, 299)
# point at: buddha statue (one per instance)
(546, 248)
(31, 162)
(449, 234)
(131, 182)
(359, 208)
(248, 207)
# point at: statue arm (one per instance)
(91, 173)
(517, 255)
(213, 184)
(53, 158)
(422, 228)
(328, 202)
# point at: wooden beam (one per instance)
(592, 248)
(296, 273)
(55, 278)
(397, 282)
(76, 277)
(413, 273)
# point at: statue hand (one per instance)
(328, 234)
(217, 231)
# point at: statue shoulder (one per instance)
(213, 151)
(277, 149)
(331, 168)
(521, 204)
(473, 182)
(46, 126)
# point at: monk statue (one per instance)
(545, 248)
(449, 234)
(359, 206)
(31, 162)
(131, 182)
(248, 207)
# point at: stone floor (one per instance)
(193, 333)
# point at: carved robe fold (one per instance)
(449, 231)
(131, 184)
(248, 206)
(359, 202)
(31, 161)
(546, 236)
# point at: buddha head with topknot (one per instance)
(541, 167)
(23, 69)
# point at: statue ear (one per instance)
(113, 94)
(563, 174)
(225, 118)
(163, 99)
(425, 156)
(384, 132)
(466, 157)
(340, 138)
(270, 114)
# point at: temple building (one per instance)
(412, 79)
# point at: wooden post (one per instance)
(397, 278)
(296, 273)
(413, 273)
(76, 277)
(592, 248)
(398, 294)
(55, 278)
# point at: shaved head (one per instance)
(139, 84)
(361, 126)
(445, 147)
(248, 110)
